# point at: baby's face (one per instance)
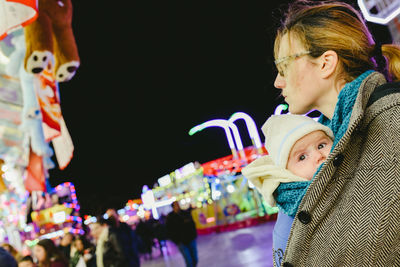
(308, 153)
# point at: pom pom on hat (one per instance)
(282, 131)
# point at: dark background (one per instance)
(150, 71)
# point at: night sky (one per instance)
(150, 71)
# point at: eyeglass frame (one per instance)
(291, 57)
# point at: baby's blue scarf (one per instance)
(289, 195)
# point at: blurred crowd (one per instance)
(107, 243)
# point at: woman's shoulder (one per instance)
(383, 101)
(385, 93)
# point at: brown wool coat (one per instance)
(350, 215)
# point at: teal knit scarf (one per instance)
(289, 195)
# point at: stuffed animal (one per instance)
(33, 123)
(35, 147)
(50, 39)
(31, 116)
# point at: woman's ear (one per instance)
(328, 63)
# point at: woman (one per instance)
(48, 255)
(328, 60)
(17, 256)
(83, 255)
(109, 247)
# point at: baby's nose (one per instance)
(320, 157)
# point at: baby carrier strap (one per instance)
(383, 90)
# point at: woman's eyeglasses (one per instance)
(282, 63)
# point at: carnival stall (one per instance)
(56, 213)
(32, 128)
(236, 203)
(186, 185)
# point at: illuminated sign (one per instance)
(165, 180)
(148, 199)
(59, 217)
(186, 170)
(379, 11)
(56, 214)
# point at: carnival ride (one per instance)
(220, 196)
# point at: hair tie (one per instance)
(379, 58)
(377, 51)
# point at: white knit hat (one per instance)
(282, 131)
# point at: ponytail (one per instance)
(392, 54)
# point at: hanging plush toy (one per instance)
(41, 112)
(49, 39)
(35, 147)
(31, 116)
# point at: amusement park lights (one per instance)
(283, 107)
(251, 127)
(280, 108)
(227, 126)
(386, 10)
(71, 187)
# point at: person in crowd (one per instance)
(26, 261)
(109, 250)
(144, 230)
(48, 254)
(6, 259)
(328, 60)
(128, 237)
(160, 233)
(297, 146)
(17, 256)
(65, 244)
(182, 231)
(83, 253)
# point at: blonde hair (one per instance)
(337, 26)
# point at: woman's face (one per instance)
(95, 230)
(25, 264)
(79, 245)
(40, 253)
(297, 77)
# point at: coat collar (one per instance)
(366, 88)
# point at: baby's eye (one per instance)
(302, 157)
(321, 146)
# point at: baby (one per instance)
(297, 146)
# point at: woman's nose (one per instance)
(279, 82)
